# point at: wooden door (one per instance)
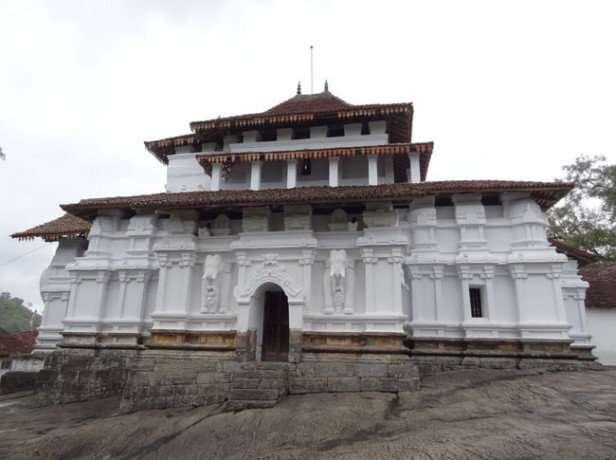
(275, 327)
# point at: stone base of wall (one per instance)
(179, 369)
(443, 354)
(14, 381)
(491, 347)
(155, 379)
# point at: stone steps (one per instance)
(257, 385)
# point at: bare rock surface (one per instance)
(456, 415)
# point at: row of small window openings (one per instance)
(270, 135)
(486, 200)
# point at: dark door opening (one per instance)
(275, 327)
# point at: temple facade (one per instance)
(310, 230)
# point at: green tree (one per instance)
(14, 316)
(586, 218)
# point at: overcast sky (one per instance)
(506, 90)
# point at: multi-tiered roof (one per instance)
(300, 111)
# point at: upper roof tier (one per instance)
(302, 110)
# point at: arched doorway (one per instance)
(275, 339)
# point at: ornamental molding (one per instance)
(375, 239)
(48, 296)
(307, 257)
(183, 259)
(270, 272)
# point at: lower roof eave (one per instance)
(546, 194)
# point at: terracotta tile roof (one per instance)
(424, 149)
(27, 337)
(582, 257)
(544, 193)
(309, 103)
(602, 279)
(299, 110)
(302, 108)
(67, 226)
(12, 344)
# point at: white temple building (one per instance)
(311, 228)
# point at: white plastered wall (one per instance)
(601, 327)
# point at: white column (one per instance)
(415, 293)
(396, 272)
(291, 173)
(373, 173)
(124, 280)
(334, 171)
(519, 275)
(559, 304)
(490, 298)
(306, 262)
(415, 170)
(161, 290)
(437, 276)
(255, 175)
(466, 301)
(465, 278)
(216, 175)
(97, 294)
(369, 261)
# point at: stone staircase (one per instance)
(257, 385)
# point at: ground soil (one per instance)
(456, 415)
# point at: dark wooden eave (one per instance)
(546, 194)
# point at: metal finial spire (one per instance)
(299, 87)
(326, 86)
(311, 70)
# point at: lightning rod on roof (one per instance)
(311, 73)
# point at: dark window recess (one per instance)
(491, 200)
(306, 167)
(268, 135)
(335, 131)
(365, 128)
(475, 294)
(301, 133)
(442, 201)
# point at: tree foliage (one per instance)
(14, 315)
(586, 218)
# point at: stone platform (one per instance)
(156, 379)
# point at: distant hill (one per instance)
(14, 316)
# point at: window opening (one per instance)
(268, 135)
(301, 133)
(335, 131)
(365, 128)
(475, 295)
(306, 166)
